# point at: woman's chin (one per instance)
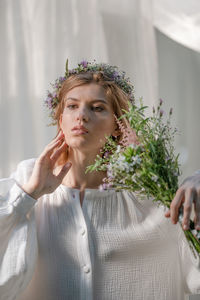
(83, 146)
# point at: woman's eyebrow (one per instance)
(94, 100)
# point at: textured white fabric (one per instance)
(113, 247)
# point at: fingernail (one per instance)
(185, 227)
(68, 164)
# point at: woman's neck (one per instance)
(76, 177)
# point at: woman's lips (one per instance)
(79, 130)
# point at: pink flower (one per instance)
(129, 136)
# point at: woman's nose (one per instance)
(83, 115)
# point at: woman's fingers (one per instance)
(48, 150)
(197, 213)
(167, 214)
(186, 197)
(58, 151)
(59, 136)
(187, 208)
(175, 205)
(197, 210)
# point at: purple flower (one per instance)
(103, 187)
(84, 63)
(115, 75)
(49, 102)
(161, 112)
(161, 102)
(62, 79)
(106, 154)
(73, 71)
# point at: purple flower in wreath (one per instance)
(115, 75)
(49, 102)
(62, 78)
(84, 66)
(84, 63)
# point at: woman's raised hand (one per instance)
(43, 179)
(188, 196)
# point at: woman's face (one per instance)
(87, 117)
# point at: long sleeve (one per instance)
(190, 263)
(18, 240)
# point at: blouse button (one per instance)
(73, 196)
(86, 269)
(82, 231)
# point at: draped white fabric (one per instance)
(179, 20)
(38, 36)
(178, 47)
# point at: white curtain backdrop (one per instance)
(36, 39)
(177, 24)
(38, 36)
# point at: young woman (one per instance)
(62, 238)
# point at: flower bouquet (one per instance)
(144, 160)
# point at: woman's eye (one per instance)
(97, 108)
(71, 106)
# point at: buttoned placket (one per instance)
(82, 246)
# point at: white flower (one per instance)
(118, 149)
(136, 160)
(134, 177)
(133, 146)
(154, 178)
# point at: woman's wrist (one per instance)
(31, 191)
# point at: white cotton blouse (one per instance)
(115, 246)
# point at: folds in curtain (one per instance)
(39, 36)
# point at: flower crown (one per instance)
(110, 72)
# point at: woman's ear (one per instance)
(116, 132)
(60, 121)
